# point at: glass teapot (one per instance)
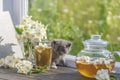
(94, 57)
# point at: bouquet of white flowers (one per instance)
(30, 32)
(22, 66)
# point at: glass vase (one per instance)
(27, 50)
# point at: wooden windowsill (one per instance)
(62, 73)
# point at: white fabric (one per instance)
(70, 60)
(1, 6)
(117, 64)
(9, 45)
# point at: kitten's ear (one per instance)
(68, 44)
(53, 43)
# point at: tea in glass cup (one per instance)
(43, 55)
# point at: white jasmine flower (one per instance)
(31, 36)
(24, 66)
(10, 61)
(84, 58)
(36, 39)
(43, 45)
(2, 60)
(106, 62)
(26, 19)
(95, 61)
(102, 75)
(32, 30)
(23, 71)
(101, 60)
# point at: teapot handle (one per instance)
(116, 55)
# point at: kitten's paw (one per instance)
(54, 66)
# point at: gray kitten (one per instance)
(60, 48)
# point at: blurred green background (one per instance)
(77, 20)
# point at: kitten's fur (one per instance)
(60, 48)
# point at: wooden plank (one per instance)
(62, 73)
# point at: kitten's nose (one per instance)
(58, 49)
(61, 49)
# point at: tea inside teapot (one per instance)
(94, 57)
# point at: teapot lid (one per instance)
(95, 40)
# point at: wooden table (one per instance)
(62, 73)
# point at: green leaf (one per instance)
(113, 77)
(39, 69)
(18, 30)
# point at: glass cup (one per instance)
(43, 55)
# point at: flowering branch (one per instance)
(23, 66)
(32, 30)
